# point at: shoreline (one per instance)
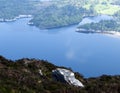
(15, 18)
(55, 27)
(115, 33)
(32, 24)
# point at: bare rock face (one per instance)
(66, 76)
(40, 72)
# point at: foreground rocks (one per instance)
(39, 76)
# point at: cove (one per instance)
(90, 54)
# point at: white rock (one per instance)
(40, 72)
(68, 76)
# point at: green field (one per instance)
(102, 6)
(106, 9)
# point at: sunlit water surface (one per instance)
(89, 54)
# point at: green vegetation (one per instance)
(22, 76)
(57, 13)
(55, 17)
(104, 25)
(12, 8)
(107, 9)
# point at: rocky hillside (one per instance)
(39, 76)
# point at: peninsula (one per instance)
(57, 13)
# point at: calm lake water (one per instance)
(89, 54)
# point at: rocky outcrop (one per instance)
(66, 76)
(36, 76)
(40, 72)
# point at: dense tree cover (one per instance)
(45, 14)
(54, 16)
(12, 8)
(103, 25)
(57, 13)
(22, 76)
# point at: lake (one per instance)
(90, 54)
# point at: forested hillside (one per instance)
(12, 8)
(58, 13)
(54, 16)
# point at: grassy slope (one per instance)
(102, 7)
(106, 9)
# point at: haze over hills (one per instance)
(50, 14)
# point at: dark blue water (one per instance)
(89, 54)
